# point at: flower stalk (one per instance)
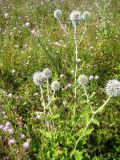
(76, 59)
(42, 98)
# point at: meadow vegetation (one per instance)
(72, 111)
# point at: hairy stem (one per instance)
(48, 90)
(88, 98)
(63, 28)
(42, 98)
(76, 58)
(51, 99)
(85, 29)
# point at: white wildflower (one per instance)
(39, 78)
(26, 145)
(10, 95)
(82, 79)
(47, 72)
(27, 24)
(6, 15)
(75, 17)
(91, 77)
(113, 88)
(96, 77)
(57, 13)
(22, 136)
(11, 141)
(55, 85)
(13, 71)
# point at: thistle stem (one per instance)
(63, 28)
(88, 99)
(88, 124)
(85, 29)
(48, 90)
(76, 58)
(42, 98)
(51, 99)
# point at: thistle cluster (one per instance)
(76, 16)
(41, 76)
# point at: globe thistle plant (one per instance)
(75, 17)
(113, 88)
(57, 13)
(82, 80)
(55, 86)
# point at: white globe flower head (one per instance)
(47, 72)
(57, 13)
(85, 15)
(55, 86)
(75, 17)
(113, 88)
(39, 78)
(26, 145)
(82, 80)
(11, 141)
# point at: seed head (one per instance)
(57, 13)
(39, 78)
(55, 86)
(47, 72)
(113, 88)
(82, 80)
(75, 17)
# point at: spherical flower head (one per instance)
(39, 78)
(57, 13)
(82, 80)
(113, 88)
(22, 136)
(91, 77)
(10, 131)
(8, 124)
(11, 141)
(85, 15)
(55, 86)
(10, 95)
(75, 17)
(47, 72)
(26, 145)
(97, 77)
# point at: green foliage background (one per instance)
(99, 52)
